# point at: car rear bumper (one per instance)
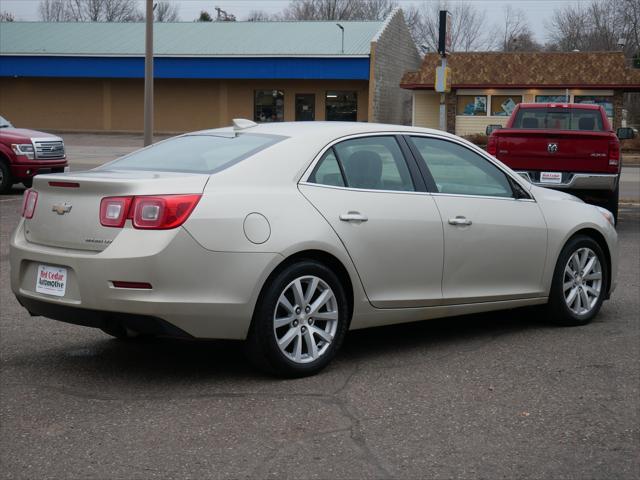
(144, 324)
(25, 171)
(575, 181)
(197, 292)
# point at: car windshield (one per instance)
(559, 119)
(4, 123)
(195, 153)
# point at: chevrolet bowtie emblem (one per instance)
(61, 208)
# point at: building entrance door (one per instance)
(305, 107)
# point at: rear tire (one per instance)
(579, 283)
(299, 322)
(5, 178)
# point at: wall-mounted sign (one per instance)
(444, 33)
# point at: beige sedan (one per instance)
(287, 235)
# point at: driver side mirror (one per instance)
(491, 128)
(626, 133)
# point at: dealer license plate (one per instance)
(51, 280)
(551, 177)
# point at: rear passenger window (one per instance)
(328, 171)
(372, 163)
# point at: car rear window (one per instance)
(559, 119)
(195, 153)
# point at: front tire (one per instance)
(5, 177)
(299, 322)
(579, 282)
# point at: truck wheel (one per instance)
(612, 203)
(5, 178)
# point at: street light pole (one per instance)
(148, 76)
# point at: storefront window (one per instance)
(341, 106)
(472, 105)
(603, 101)
(551, 99)
(269, 106)
(503, 105)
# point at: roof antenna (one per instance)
(242, 123)
(341, 28)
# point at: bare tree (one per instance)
(515, 34)
(53, 10)
(595, 26)
(258, 16)
(468, 29)
(374, 9)
(630, 10)
(166, 12)
(89, 10)
(338, 9)
(6, 16)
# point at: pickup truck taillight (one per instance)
(614, 153)
(492, 145)
(157, 212)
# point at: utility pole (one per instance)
(148, 76)
(443, 78)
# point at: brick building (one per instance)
(89, 76)
(486, 86)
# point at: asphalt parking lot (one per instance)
(500, 395)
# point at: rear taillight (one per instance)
(492, 145)
(162, 212)
(114, 211)
(614, 153)
(157, 212)
(29, 203)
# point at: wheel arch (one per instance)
(320, 256)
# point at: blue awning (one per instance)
(308, 68)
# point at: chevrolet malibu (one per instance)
(287, 235)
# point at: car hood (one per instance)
(548, 193)
(23, 134)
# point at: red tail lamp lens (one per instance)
(162, 212)
(158, 212)
(114, 211)
(29, 202)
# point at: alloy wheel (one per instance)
(582, 281)
(305, 319)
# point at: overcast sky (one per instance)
(538, 11)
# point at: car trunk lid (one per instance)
(67, 213)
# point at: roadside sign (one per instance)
(444, 33)
(443, 79)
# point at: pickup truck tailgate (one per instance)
(567, 151)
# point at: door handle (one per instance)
(459, 220)
(353, 217)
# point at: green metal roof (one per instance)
(188, 38)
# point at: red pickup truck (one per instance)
(25, 153)
(565, 146)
